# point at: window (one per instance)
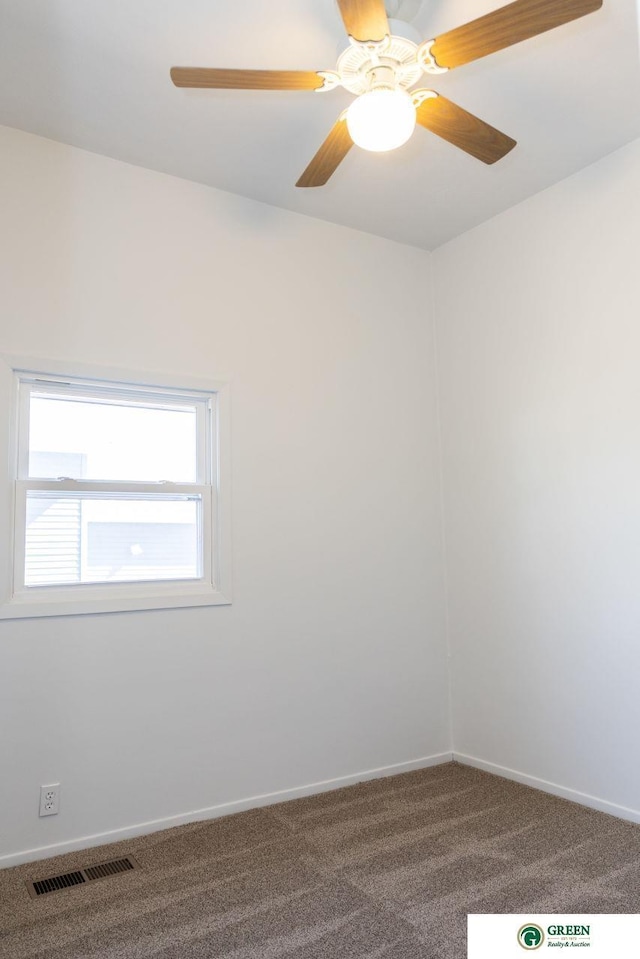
(117, 495)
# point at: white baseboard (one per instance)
(215, 812)
(584, 799)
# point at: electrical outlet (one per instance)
(50, 800)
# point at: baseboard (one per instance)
(215, 812)
(583, 799)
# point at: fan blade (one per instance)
(506, 26)
(465, 131)
(329, 156)
(246, 79)
(365, 20)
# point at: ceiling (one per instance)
(95, 74)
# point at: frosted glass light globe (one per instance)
(381, 120)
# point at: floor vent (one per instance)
(102, 870)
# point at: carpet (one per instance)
(386, 869)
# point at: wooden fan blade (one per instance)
(506, 26)
(465, 131)
(245, 79)
(365, 20)
(329, 156)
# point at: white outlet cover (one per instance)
(50, 799)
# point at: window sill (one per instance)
(110, 599)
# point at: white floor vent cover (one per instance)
(102, 870)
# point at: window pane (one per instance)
(92, 538)
(101, 440)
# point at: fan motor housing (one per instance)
(392, 63)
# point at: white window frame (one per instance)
(18, 377)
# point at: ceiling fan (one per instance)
(380, 69)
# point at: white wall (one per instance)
(539, 355)
(331, 660)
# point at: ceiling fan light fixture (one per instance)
(381, 119)
(380, 65)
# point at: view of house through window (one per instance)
(73, 539)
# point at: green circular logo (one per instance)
(530, 936)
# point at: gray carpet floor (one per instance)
(386, 869)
